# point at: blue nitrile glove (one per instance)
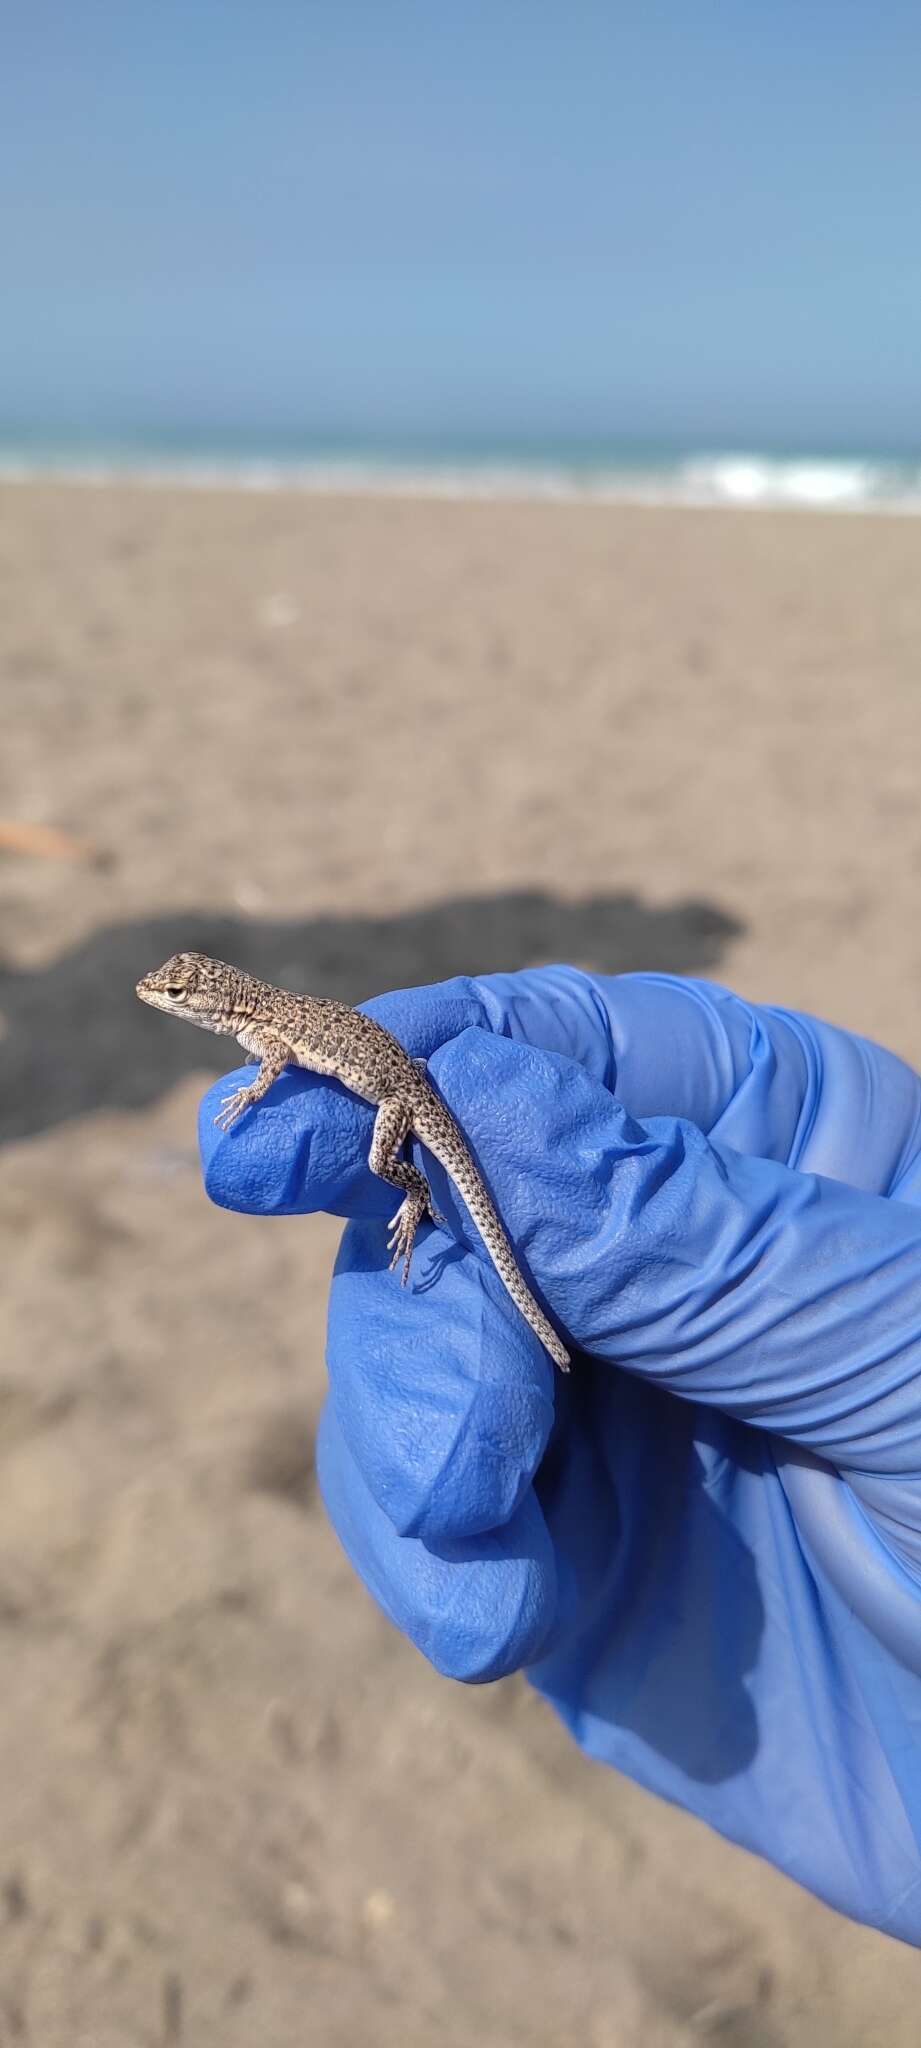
(705, 1544)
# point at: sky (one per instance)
(507, 222)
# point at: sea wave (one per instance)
(700, 481)
(837, 485)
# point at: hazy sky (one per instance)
(387, 219)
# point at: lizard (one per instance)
(325, 1036)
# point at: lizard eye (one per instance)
(175, 993)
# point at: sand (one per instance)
(372, 742)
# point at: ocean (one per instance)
(698, 478)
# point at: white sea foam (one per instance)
(703, 480)
(829, 485)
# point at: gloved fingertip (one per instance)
(442, 1391)
(488, 1451)
(240, 1170)
(425, 1018)
(303, 1147)
(496, 1600)
(477, 1610)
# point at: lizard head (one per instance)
(206, 992)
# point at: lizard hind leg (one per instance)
(391, 1128)
(403, 1227)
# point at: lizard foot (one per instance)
(232, 1107)
(403, 1227)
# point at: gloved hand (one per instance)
(704, 1546)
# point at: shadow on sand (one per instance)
(76, 1039)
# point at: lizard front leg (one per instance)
(275, 1056)
(391, 1128)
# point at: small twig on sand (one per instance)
(46, 842)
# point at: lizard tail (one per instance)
(463, 1171)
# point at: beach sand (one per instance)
(372, 742)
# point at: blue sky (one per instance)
(264, 220)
